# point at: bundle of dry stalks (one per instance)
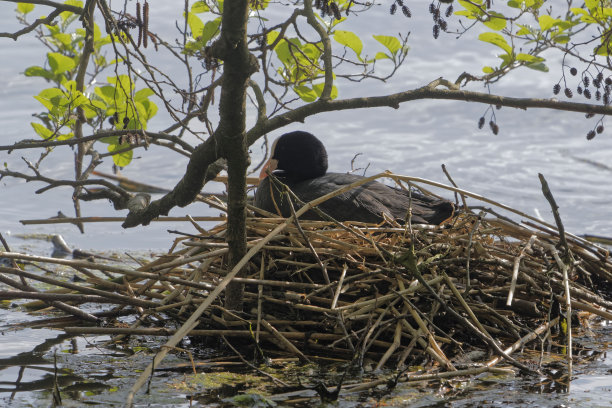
(385, 295)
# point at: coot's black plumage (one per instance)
(299, 160)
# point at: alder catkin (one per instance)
(139, 22)
(449, 11)
(436, 31)
(335, 10)
(145, 24)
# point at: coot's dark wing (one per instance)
(365, 203)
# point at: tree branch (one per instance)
(327, 50)
(58, 6)
(31, 144)
(31, 27)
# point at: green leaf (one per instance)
(588, 19)
(576, 11)
(211, 28)
(89, 111)
(65, 39)
(50, 98)
(561, 39)
(471, 7)
(24, 8)
(591, 4)
(604, 50)
(195, 25)
(38, 71)
(381, 55)
(150, 109)
(123, 83)
(60, 63)
(199, 7)
(65, 136)
(389, 42)
(525, 29)
(121, 159)
(305, 93)
(506, 59)
(496, 39)
(496, 21)
(67, 14)
(318, 88)
(109, 139)
(41, 130)
(488, 70)
(107, 93)
(312, 52)
(546, 22)
(283, 53)
(465, 13)
(350, 40)
(528, 58)
(538, 66)
(143, 94)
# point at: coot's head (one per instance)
(299, 155)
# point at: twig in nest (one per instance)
(469, 252)
(463, 200)
(555, 209)
(409, 261)
(515, 269)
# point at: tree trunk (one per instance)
(238, 65)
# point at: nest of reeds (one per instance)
(399, 295)
(468, 292)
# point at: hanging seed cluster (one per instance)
(436, 14)
(591, 86)
(492, 122)
(126, 22)
(399, 4)
(329, 8)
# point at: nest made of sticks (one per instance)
(387, 294)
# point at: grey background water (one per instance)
(412, 140)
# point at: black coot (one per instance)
(299, 160)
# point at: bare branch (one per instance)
(47, 20)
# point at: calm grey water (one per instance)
(413, 140)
